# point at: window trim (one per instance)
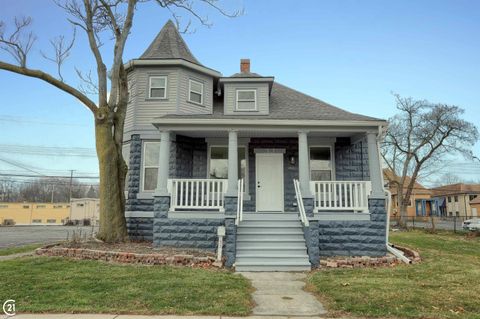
(190, 91)
(150, 77)
(142, 172)
(236, 100)
(332, 159)
(209, 153)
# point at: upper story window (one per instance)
(246, 100)
(151, 152)
(321, 167)
(195, 92)
(456, 199)
(157, 87)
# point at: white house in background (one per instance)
(85, 208)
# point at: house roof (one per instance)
(390, 176)
(459, 188)
(285, 104)
(476, 200)
(168, 44)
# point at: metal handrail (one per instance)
(301, 208)
(241, 189)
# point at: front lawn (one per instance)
(46, 284)
(445, 285)
(19, 249)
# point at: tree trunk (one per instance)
(112, 184)
(403, 215)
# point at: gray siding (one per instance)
(184, 106)
(230, 98)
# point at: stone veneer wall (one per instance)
(351, 160)
(355, 238)
(140, 228)
(290, 172)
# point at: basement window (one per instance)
(157, 87)
(246, 100)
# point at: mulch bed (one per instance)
(132, 253)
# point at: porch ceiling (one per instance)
(262, 133)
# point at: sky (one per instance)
(352, 54)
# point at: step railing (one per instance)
(341, 195)
(241, 190)
(301, 207)
(197, 194)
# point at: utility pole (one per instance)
(53, 191)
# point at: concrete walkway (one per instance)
(282, 294)
(97, 316)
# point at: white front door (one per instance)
(269, 182)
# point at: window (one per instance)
(472, 197)
(457, 214)
(321, 163)
(246, 100)
(80, 205)
(219, 162)
(51, 221)
(449, 199)
(456, 199)
(41, 206)
(36, 221)
(157, 87)
(57, 206)
(151, 152)
(26, 206)
(195, 92)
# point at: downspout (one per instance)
(397, 253)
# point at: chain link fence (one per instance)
(452, 223)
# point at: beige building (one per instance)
(457, 198)
(34, 213)
(85, 208)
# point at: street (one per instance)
(11, 236)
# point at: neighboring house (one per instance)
(457, 198)
(475, 206)
(420, 204)
(33, 213)
(192, 136)
(85, 208)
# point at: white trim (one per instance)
(332, 159)
(282, 185)
(142, 168)
(255, 100)
(190, 91)
(153, 62)
(150, 77)
(268, 150)
(139, 214)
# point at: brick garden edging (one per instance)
(128, 258)
(358, 262)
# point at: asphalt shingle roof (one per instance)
(286, 104)
(168, 44)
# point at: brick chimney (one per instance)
(245, 65)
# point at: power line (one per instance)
(51, 176)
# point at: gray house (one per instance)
(291, 178)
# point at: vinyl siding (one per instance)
(230, 98)
(184, 106)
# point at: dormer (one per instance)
(246, 93)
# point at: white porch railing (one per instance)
(195, 194)
(241, 190)
(301, 208)
(341, 195)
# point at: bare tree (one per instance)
(100, 20)
(420, 137)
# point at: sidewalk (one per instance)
(97, 316)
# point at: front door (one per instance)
(269, 179)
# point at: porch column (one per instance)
(232, 163)
(374, 166)
(303, 165)
(163, 169)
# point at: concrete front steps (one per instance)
(271, 242)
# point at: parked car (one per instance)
(471, 224)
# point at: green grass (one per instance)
(446, 284)
(19, 249)
(56, 285)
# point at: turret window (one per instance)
(195, 92)
(246, 100)
(158, 87)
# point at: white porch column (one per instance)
(163, 169)
(232, 163)
(374, 166)
(303, 164)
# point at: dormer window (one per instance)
(158, 87)
(246, 100)
(195, 90)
